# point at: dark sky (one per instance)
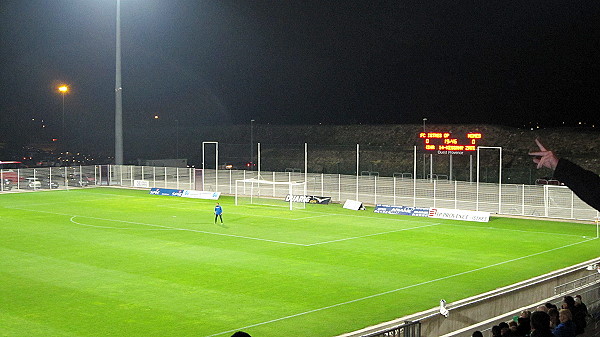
(300, 62)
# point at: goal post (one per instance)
(289, 194)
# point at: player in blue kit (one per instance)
(218, 213)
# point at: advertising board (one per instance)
(439, 213)
(186, 193)
(308, 199)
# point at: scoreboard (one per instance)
(445, 143)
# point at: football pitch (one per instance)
(117, 262)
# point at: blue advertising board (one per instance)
(401, 210)
(166, 191)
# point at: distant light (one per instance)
(156, 117)
(63, 88)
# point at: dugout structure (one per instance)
(289, 194)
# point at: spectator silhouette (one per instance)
(512, 325)
(496, 331)
(540, 324)
(504, 329)
(580, 305)
(577, 315)
(524, 323)
(580, 315)
(554, 320)
(585, 184)
(241, 334)
(477, 334)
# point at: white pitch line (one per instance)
(261, 216)
(60, 202)
(300, 211)
(396, 290)
(312, 217)
(213, 233)
(124, 228)
(230, 235)
(166, 227)
(374, 234)
(244, 214)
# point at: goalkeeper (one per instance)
(218, 213)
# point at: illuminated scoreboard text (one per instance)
(445, 143)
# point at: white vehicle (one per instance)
(33, 183)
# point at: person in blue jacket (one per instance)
(218, 213)
(567, 327)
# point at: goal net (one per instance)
(287, 194)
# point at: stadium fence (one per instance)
(505, 199)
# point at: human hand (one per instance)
(544, 158)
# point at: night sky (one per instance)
(299, 62)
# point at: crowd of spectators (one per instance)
(547, 320)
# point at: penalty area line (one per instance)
(165, 228)
(191, 230)
(374, 234)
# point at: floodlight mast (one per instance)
(63, 89)
(424, 155)
(251, 144)
(118, 93)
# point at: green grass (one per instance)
(111, 262)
